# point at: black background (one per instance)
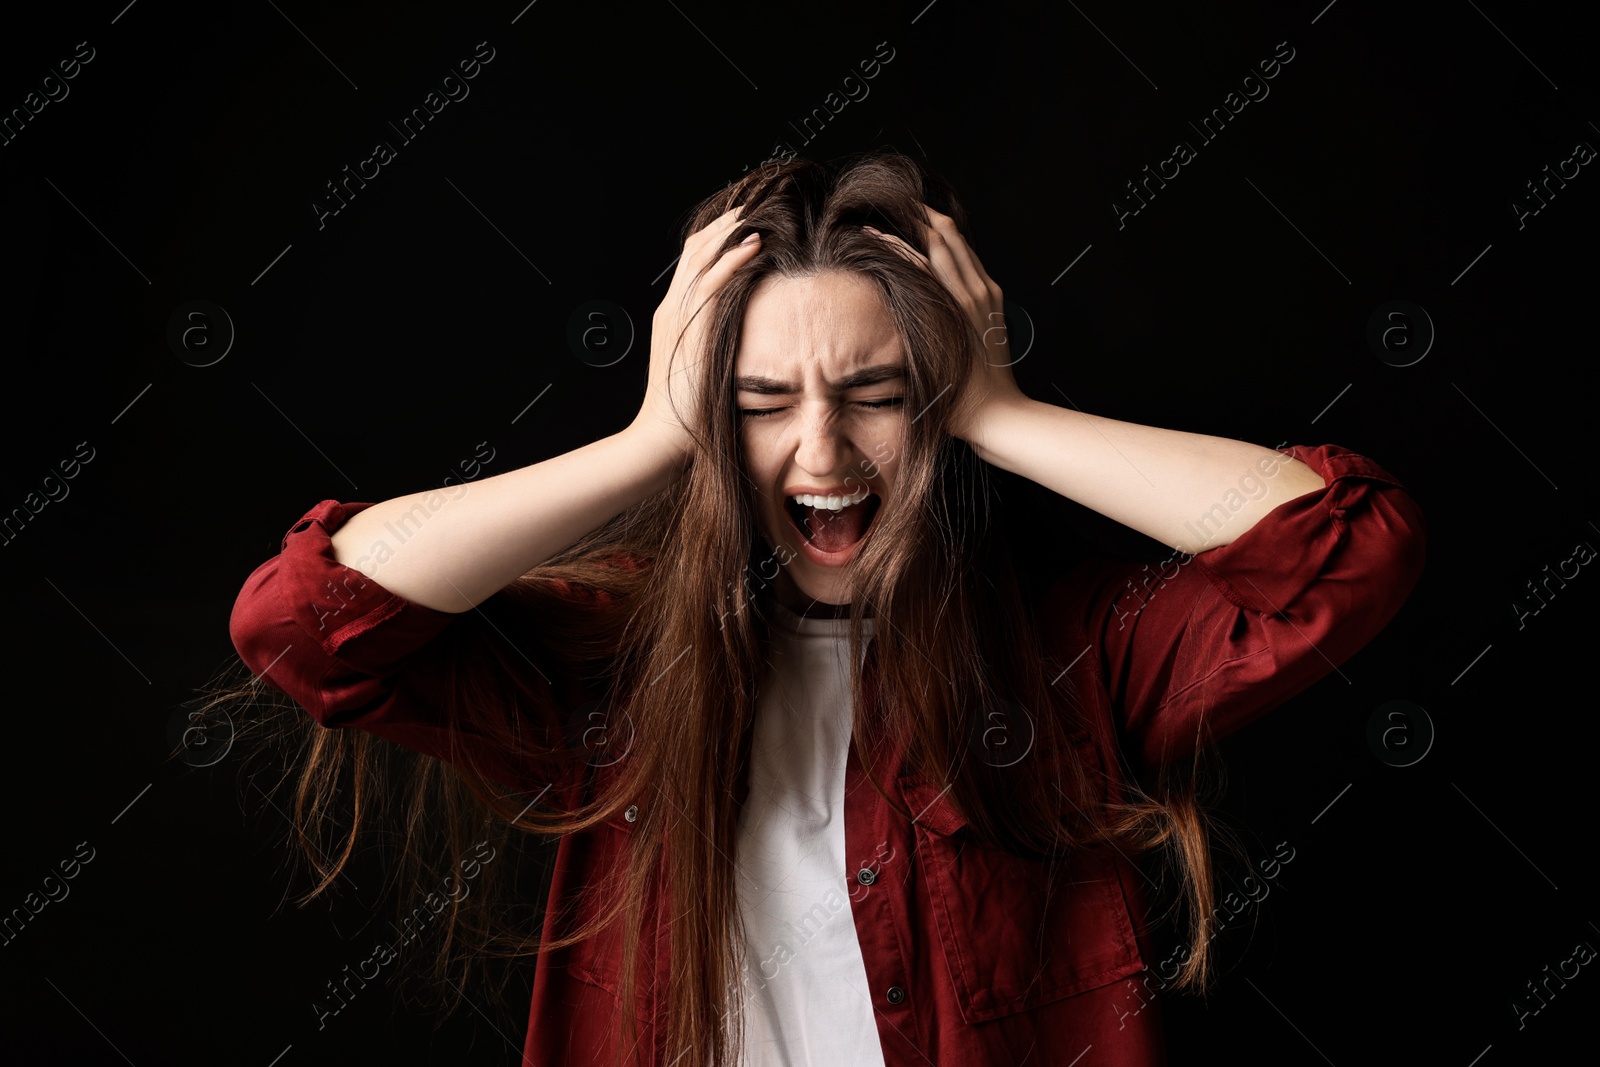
(379, 350)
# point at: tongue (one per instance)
(836, 530)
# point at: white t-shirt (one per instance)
(806, 993)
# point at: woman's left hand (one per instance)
(990, 383)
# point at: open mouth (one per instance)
(832, 531)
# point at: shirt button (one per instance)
(866, 876)
(896, 994)
(632, 814)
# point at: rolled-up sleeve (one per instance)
(1193, 649)
(356, 655)
(326, 634)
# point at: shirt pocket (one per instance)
(599, 866)
(1017, 934)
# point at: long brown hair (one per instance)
(674, 627)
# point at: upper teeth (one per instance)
(832, 503)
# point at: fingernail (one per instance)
(753, 236)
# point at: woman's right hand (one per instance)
(670, 393)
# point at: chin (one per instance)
(798, 579)
(823, 593)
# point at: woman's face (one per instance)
(819, 386)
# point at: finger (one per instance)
(951, 269)
(697, 248)
(707, 282)
(728, 216)
(903, 248)
(729, 260)
(945, 241)
(699, 251)
(946, 227)
(941, 264)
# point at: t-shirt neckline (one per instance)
(795, 623)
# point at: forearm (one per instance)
(1189, 491)
(453, 549)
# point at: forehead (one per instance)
(833, 322)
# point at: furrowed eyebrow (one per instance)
(868, 376)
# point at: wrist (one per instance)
(660, 444)
(994, 421)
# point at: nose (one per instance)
(823, 449)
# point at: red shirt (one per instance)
(968, 959)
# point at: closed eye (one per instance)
(887, 402)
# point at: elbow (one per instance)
(266, 639)
(1391, 545)
(250, 623)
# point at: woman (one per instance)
(838, 774)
